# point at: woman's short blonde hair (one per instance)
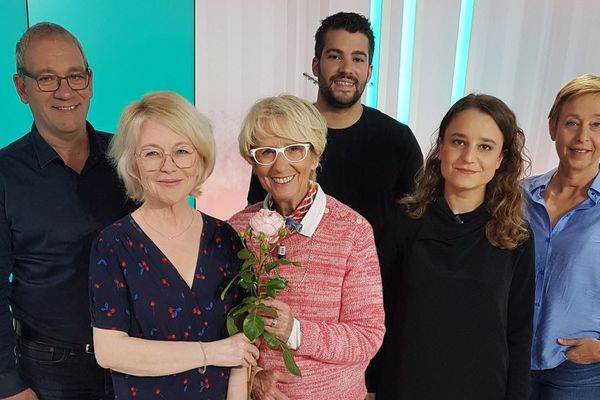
(287, 117)
(583, 84)
(177, 114)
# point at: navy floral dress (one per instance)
(135, 289)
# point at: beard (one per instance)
(336, 102)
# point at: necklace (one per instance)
(281, 254)
(193, 214)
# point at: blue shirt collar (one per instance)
(537, 184)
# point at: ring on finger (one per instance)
(274, 323)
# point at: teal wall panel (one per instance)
(133, 47)
(16, 118)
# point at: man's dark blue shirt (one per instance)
(49, 215)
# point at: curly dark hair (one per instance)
(348, 21)
(506, 228)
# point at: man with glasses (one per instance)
(371, 159)
(57, 190)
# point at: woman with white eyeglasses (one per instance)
(331, 314)
(156, 274)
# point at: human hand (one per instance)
(282, 325)
(265, 384)
(235, 351)
(26, 394)
(582, 351)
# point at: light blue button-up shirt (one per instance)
(567, 261)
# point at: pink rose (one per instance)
(267, 222)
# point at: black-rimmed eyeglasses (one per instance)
(51, 82)
(293, 153)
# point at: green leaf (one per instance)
(246, 285)
(270, 339)
(288, 360)
(268, 311)
(270, 266)
(249, 262)
(249, 300)
(244, 254)
(277, 283)
(254, 325)
(247, 275)
(233, 325)
(242, 309)
(270, 292)
(228, 286)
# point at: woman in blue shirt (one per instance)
(563, 208)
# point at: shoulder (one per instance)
(221, 227)
(344, 216)
(533, 182)
(373, 115)
(402, 226)
(16, 149)
(390, 132)
(116, 230)
(103, 138)
(240, 219)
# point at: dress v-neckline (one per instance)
(173, 269)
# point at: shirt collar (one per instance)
(537, 184)
(46, 154)
(313, 216)
(594, 190)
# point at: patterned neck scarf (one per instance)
(293, 220)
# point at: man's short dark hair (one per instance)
(42, 30)
(348, 21)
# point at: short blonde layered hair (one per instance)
(583, 84)
(174, 112)
(287, 117)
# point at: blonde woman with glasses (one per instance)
(331, 314)
(156, 274)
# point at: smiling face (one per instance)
(286, 182)
(169, 184)
(470, 154)
(576, 134)
(62, 112)
(343, 68)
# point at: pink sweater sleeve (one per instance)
(359, 332)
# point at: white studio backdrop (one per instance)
(521, 51)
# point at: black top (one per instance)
(135, 289)
(367, 166)
(461, 310)
(49, 215)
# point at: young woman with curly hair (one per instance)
(460, 284)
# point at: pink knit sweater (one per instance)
(336, 295)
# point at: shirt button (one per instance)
(548, 239)
(537, 303)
